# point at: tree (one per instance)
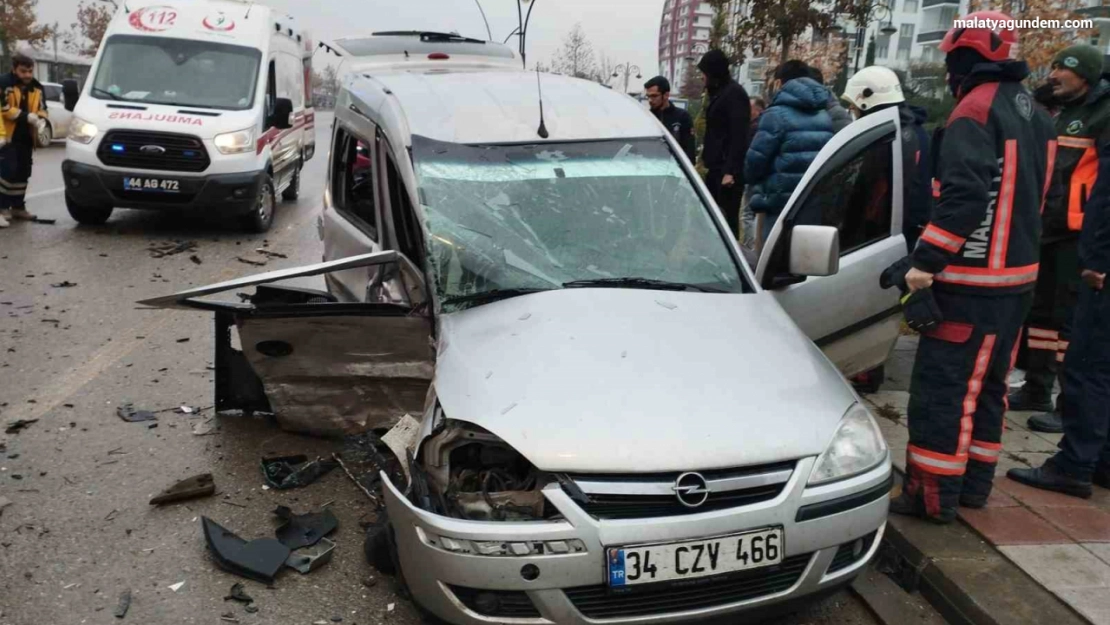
(325, 86)
(605, 69)
(781, 23)
(827, 54)
(576, 57)
(18, 23)
(92, 22)
(1038, 46)
(693, 84)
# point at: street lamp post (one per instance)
(627, 69)
(881, 12)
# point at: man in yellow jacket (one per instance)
(22, 116)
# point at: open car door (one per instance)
(854, 185)
(320, 366)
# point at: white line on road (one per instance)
(31, 196)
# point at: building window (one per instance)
(882, 46)
(909, 6)
(947, 17)
(905, 42)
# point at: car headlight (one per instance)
(857, 446)
(235, 142)
(82, 131)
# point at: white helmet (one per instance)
(873, 86)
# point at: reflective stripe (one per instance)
(1000, 240)
(12, 185)
(937, 464)
(985, 452)
(1046, 345)
(942, 238)
(974, 387)
(1063, 345)
(1075, 142)
(1042, 333)
(936, 188)
(989, 277)
(1013, 361)
(1048, 172)
(1060, 356)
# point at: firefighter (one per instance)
(22, 117)
(1083, 128)
(979, 256)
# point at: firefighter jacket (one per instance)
(1083, 128)
(995, 162)
(14, 111)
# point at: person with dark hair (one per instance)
(677, 121)
(22, 116)
(727, 117)
(840, 116)
(791, 133)
(977, 261)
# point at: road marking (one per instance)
(31, 196)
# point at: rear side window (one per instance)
(405, 225)
(353, 186)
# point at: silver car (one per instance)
(614, 419)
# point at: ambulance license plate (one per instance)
(152, 185)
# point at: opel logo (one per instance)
(691, 489)
(152, 149)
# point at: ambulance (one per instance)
(192, 106)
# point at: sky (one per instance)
(624, 30)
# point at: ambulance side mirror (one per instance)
(283, 114)
(70, 93)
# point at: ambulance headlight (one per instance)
(235, 142)
(82, 131)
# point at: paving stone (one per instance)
(1015, 441)
(1101, 550)
(1034, 496)
(999, 499)
(1061, 567)
(1083, 523)
(1012, 526)
(1093, 603)
(899, 400)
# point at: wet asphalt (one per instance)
(74, 346)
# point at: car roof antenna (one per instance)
(542, 132)
(125, 8)
(249, 7)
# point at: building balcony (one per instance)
(928, 4)
(1096, 13)
(931, 36)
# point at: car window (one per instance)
(353, 183)
(53, 94)
(856, 199)
(405, 225)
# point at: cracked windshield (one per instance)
(540, 217)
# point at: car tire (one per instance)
(378, 546)
(46, 137)
(88, 215)
(293, 191)
(261, 216)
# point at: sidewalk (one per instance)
(1062, 542)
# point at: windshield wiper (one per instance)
(485, 297)
(99, 91)
(640, 283)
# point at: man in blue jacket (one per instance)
(791, 133)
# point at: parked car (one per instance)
(620, 420)
(57, 121)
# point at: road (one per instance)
(79, 530)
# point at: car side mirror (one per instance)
(814, 251)
(70, 94)
(283, 114)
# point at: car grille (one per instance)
(708, 592)
(845, 556)
(651, 496)
(123, 148)
(497, 603)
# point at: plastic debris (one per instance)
(238, 594)
(124, 604)
(129, 413)
(294, 471)
(191, 488)
(176, 587)
(304, 530)
(259, 559)
(306, 560)
(18, 425)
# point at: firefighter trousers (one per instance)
(15, 172)
(957, 399)
(1048, 331)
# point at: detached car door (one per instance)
(855, 185)
(320, 366)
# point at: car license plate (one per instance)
(156, 185)
(695, 558)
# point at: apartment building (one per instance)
(683, 37)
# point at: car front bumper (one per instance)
(220, 194)
(571, 585)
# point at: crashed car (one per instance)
(619, 419)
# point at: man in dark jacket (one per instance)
(841, 118)
(677, 121)
(1083, 128)
(979, 258)
(1084, 455)
(791, 133)
(726, 135)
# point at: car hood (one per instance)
(616, 380)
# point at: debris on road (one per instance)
(266, 252)
(251, 609)
(238, 594)
(284, 472)
(64, 285)
(204, 428)
(229, 618)
(259, 559)
(196, 259)
(176, 587)
(247, 261)
(197, 486)
(129, 413)
(124, 604)
(169, 248)
(304, 530)
(19, 425)
(44, 221)
(306, 560)
(402, 439)
(184, 340)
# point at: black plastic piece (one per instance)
(196, 486)
(238, 387)
(285, 472)
(843, 504)
(259, 559)
(304, 530)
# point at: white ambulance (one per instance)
(196, 106)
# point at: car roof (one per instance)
(484, 106)
(420, 43)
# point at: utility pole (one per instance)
(627, 69)
(55, 77)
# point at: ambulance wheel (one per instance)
(88, 215)
(291, 192)
(261, 216)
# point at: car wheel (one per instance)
(87, 215)
(46, 136)
(378, 546)
(291, 192)
(261, 216)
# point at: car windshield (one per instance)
(177, 72)
(526, 217)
